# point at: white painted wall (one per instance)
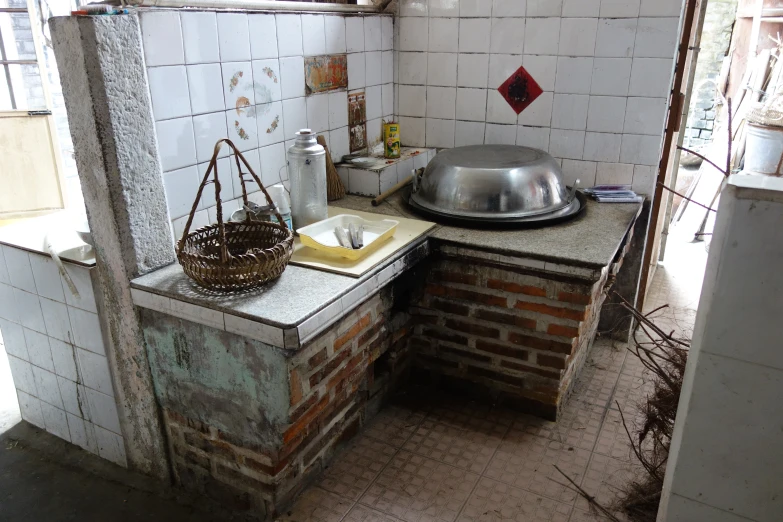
(726, 461)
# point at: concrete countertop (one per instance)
(29, 234)
(303, 300)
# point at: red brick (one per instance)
(345, 338)
(540, 344)
(346, 371)
(331, 366)
(473, 329)
(551, 361)
(570, 297)
(515, 288)
(562, 331)
(271, 471)
(509, 319)
(317, 360)
(449, 307)
(175, 417)
(495, 376)
(530, 369)
(372, 332)
(554, 311)
(467, 295)
(302, 408)
(455, 277)
(298, 427)
(499, 349)
(464, 354)
(446, 336)
(295, 383)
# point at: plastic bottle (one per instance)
(280, 198)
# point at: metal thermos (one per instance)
(307, 170)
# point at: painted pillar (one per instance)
(725, 460)
(101, 66)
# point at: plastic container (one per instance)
(764, 150)
(280, 198)
(320, 236)
(307, 170)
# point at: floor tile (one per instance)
(578, 426)
(467, 448)
(495, 501)
(352, 471)
(613, 440)
(416, 489)
(317, 505)
(605, 479)
(361, 513)
(394, 425)
(528, 462)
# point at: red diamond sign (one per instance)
(520, 90)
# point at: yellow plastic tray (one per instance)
(320, 236)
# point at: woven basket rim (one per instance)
(231, 229)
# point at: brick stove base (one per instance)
(510, 333)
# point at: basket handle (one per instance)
(225, 255)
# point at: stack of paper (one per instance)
(614, 194)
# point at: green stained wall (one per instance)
(225, 380)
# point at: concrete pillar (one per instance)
(101, 66)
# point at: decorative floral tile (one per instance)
(266, 81)
(520, 90)
(358, 138)
(357, 108)
(326, 73)
(242, 128)
(270, 123)
(238, 86)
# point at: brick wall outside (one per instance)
(511, 331)
(335, 384)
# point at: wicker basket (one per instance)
(234, 256)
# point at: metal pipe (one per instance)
(254, 5)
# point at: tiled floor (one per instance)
(446, 460)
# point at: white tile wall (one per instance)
(56, 354)
(605, 67)
(241, 76)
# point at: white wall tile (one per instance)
(7, 308)
(441, 102)
(55, 316)
(86, 329)
(469, 133)
(616, 37)
(292, 80)
(373, 73)
(543, 69)
(181, 188)
(374, 102)
(443, 35)
(94, 370)
(176, 144)
(539, 113)
(81, 279)
(30, 408)
(339, 143)
(661, 8)
(110, 446)
(440, 133)
(611, 76)
(577, 36)
(38, 349)
(47, 277)
(566, 144)
(334, 30)
(582, 171)
(501, 67)
(387, 71)
(651, 77)
(657, 37)
(208, 130)
(263, 36)
(414, 133)
(602, 147)
(273, 163)
(644, 178)
(607, 114)
(574, 75)
(477, 8)
(250, 185)
(234, 37)
(13, 338)
(294, 115)
(472, 70)
(413, 101)
(508, 36)
(502, 8)
(82, 433)
(357, 71)
(226, 184)
(614, 174)
(496, 134)
(205, 86)
(266, 81)
(542, 36)
(22, 373)
(64, 359)
(444, 8)
(318, 112)
(46, 384)
(354, 34)
(498, 109)
(19, 271)
(413, 68)
(161, 36)
(414, 34)
(387, 96)
(313, 35)
(640, 150)
(535, 137)
(475, 35)
(620, 8)
(200, 36)
(289, 35)
(581, 8)
(4, 277)
(238, 88)
(387, 33)
(569, 111)
(442, 69)
(338, 109)
(169, 92)
(29, 309)
(373, 38)
(645, 116)
(388, 178)
(103, 410)
(365, 182)
(471, 104)
(544, 7)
